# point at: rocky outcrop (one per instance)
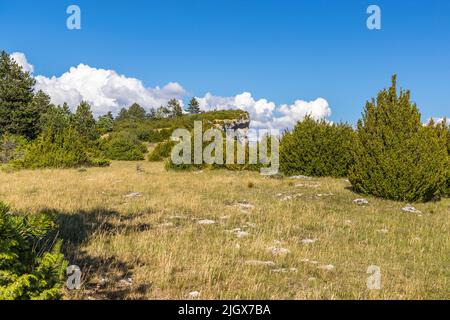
(240, 125)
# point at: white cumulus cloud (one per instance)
(105, 90)
(266, 114)
(22, 61)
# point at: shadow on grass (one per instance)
(104, 276)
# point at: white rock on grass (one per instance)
(310, 261)
(194, 294)
(278, 250)
(284, 270)
(242, 234)
(384, 230)
(409, 208)
(303, 185)
(133, 195)
(300, 177)
(361, 201)
(327, 267)
(260, 263)
(309, 241)
(206, 222)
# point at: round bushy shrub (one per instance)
(317, 148)
(396, 157)
(161, 151)
(12, 147)
(55, 150)
(123, 146)
(29, 267)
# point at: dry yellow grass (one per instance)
(153, 246)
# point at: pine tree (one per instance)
(16, 95)
(84, 122)
(193, 107)
(136, 112)
(174, 108)
(396, 157)
(105, 123)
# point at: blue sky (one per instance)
(278, 50)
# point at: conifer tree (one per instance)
(193, 107)
(16, 95)
(84, 122)
(174, 108)
(396, 157)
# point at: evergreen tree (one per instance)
(40, 105)
(317, 148)
(123, 115)
(84, 122)
(396, 157)
(105, 123)
(174, 108)
(193, 107)
(16, 95)
(136, 112)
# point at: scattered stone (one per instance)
(126, 282)
(310, 261)
(194, 294)
(324, 195)
(133, 195)
(303, 185)
(409, 208)
(206, 222)
(308, 241)
(299, 177)
(384, 230)
(242, 234)
(165, 225)
(288, 197)
(260, 263)
(245, 205)
(177, 217)
(284, 270)
(278, 250)
(327, 267)
(361, 201)
(102, 283)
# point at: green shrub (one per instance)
(30, 268)
(396, 157)
(234, 166)
(12, 147)
(49, 150)
(161, 151)
(123, 146)
(317, 148)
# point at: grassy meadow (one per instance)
(140, 232)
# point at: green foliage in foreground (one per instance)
(317, 148)
(396, 157)
(123, 146)
(161, 151)
(12, 147)
(30, 267)
(55, 150)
